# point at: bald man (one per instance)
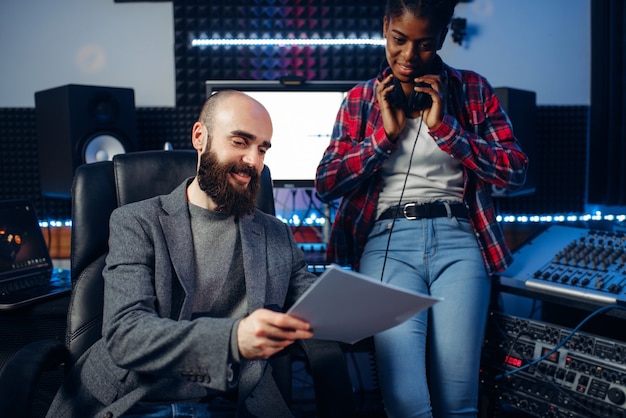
(188, 278)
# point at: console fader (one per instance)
(573, 263)
(584, 377)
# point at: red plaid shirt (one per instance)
(475, 130)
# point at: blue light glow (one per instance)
(295, 220)
(561, 218)
(55, 223)
(315, 219)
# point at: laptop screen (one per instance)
(23, 249)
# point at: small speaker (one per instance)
(521, 106)
(79, 124)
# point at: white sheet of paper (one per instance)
(343, 305)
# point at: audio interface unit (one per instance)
(537, 369)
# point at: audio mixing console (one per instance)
(572, 263)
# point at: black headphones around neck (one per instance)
(416, 101)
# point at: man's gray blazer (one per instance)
(150, 344)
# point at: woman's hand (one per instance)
(394, 118)
(433, 116)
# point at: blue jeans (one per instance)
(217, 409)
(429, 365)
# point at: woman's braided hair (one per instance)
(439, 12)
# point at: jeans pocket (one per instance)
(463, 224)
(380, 229)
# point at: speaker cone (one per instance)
(102, 148)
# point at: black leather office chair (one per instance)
(97, 190)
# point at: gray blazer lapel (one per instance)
(176, 225)
(253, 243)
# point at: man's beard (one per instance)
(213, 180)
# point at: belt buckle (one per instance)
(411, 218)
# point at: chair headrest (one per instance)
(141, 175)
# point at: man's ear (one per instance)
(442, 39)
(198, 136)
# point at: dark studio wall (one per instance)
(247, 19)
(560, 183)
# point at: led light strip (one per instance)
(55, 224)
(287, 42)
(597, 216)
(317, 220)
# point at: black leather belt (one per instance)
(427, 210)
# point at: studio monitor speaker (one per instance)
(79, 124)
(521, 106)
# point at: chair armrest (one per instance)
(331, 379)
(20, 374)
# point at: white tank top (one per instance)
(433, 174)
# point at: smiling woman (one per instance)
(416, 208)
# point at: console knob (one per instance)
(616, 396)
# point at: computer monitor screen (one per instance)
(302, 116)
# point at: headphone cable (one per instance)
(395, 215)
